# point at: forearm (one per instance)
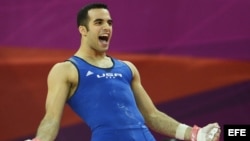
(162, 123)
(47, 130)
(166, 125)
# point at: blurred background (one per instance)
(193, 56)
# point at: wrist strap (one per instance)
(194, 133)
(180, 131)
(201, 136)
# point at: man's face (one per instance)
(100, 30)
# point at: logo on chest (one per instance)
(109, 75)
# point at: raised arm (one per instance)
(59, 85)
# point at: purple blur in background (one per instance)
(214, 28)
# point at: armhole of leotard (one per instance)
(71, 60)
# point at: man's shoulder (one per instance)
(65, 66)
(129, 63)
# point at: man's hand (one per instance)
(210, 132)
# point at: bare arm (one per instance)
(58, 91)
(155, 119)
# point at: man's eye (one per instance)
(98, 22)
(110, 23)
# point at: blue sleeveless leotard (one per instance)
(105, 101)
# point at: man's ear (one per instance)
(82, 30)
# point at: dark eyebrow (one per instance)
(100, 20)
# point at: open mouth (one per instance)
(104, 39)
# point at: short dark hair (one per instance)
(83, 17)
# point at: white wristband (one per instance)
(180, 131)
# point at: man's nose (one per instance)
(107, 26)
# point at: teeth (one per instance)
(104, 34)
(104, 37)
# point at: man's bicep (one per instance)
(142, 98)
(58, 89)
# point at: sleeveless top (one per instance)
(104, 98)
